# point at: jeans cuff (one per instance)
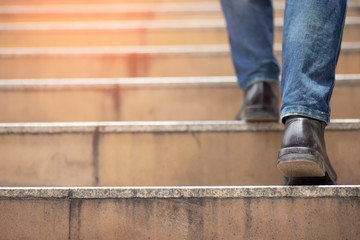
(305, 112)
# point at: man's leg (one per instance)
(250, 29)
(311, 45)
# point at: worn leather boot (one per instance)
(260, 103)
(302, 157)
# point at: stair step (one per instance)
(127, 11)
(88, 2)
(163, 32)
(110, 2)
(158, 153)
(142, 99)
(85, 2)
(314, 212)
(135, 61)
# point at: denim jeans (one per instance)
(311, 44)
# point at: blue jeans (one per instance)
(311, 44)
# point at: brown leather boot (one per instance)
(302, 157)
(260, 103)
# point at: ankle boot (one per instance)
(260, 103)
(302, 158)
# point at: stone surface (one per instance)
(128, 127)
(142, 99)
(159, 153)
(159, 126)
(19, 193)
(105, 12)
(312, 212)
(139, 61)
(192, 158)
(26, 218)
(47, 160)
(213, 218)
(112, 33)
(220, 192)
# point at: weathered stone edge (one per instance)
(207, 50)
(181, 192)
(124, 83)
(159, 127)
(126, 8)
(136, 127)
(136, 25)
(141, 127)
(139, 83)
(117, 8)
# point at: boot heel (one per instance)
(301, 162)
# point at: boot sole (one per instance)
(301, 181)
(301, 162)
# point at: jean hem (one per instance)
(305, 112)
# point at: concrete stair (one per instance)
(142, 99)
(141, 96)
(86, 2)
(135, 61)
(135, 32)
(181, 213)
(158, 153)
(126, 11)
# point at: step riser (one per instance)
(60, 2)
(158, 158)
(117, 16)
(56, 2)
(133, 65)
(133, 37)
(120, 105)
(144, 104)
(45, 2)
(182, 218)
(111, 15)
(114, 38)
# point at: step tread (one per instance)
(105, 83)
(141, 99)
(125, 50)
(134, 25)
(314, 212)
(118, 25)
(145, 82)
(340, 191)
(158, 126)
(126, 8)
(116, 8)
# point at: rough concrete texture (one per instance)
(34, 219)
(326, 218)
(100, 62)
(42, 161)
(141, 99)
(81, 193)
(181, 213)
(158, 153)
